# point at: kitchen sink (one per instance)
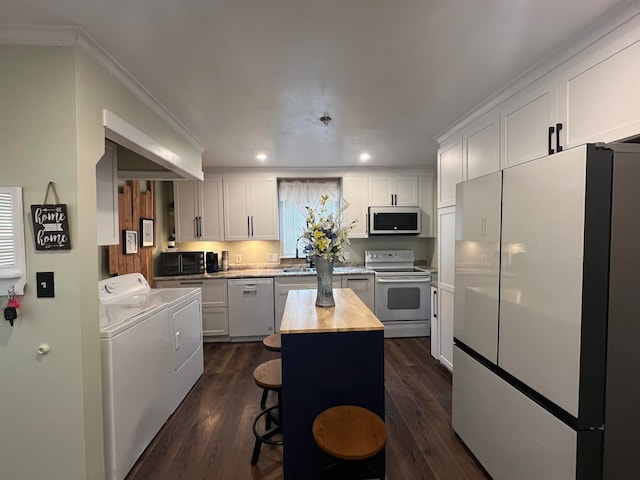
(298, 269)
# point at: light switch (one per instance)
(44, 284)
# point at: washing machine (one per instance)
(151, 349)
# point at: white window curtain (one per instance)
(308, 193)
(294, 197)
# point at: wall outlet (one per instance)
(272, 257)
(238, 258)
(346, 255)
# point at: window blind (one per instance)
(7, 233)
(12, 250)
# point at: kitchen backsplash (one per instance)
(259, 252)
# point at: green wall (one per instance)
(51, 129)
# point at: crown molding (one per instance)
(74, 36)
(617, 17)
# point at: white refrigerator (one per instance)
(546, 375)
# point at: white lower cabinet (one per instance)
(363, 286)
(435, 323)
(215, 307)
(502, 427)
(446, 279)
(215, 321)
(445, 323)
(215, 310)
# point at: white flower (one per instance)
(325, 235)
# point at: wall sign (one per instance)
(51, 223)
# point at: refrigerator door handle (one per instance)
(435, 304)
(558, 128)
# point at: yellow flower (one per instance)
(325, 234)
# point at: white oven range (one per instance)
(402, 293)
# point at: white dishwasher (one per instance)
(250, 307)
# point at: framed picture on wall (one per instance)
(130, 241)
(146, 232)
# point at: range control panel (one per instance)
(389, 256)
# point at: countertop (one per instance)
(348, 315)
(262, 272)
(273, 272)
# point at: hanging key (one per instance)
(10, 314)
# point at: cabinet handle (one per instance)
(435, 304)
(191, 283)
(248, 226)
(195, 226)
(551, 130)
(199, 227)
(558, 128)
(252, 225)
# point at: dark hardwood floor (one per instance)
(210, 437)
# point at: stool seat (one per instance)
(349, 432)
(273, 342)
(269, 374)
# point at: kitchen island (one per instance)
(330, 356)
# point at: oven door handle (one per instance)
(384, 280)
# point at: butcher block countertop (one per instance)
(348, 315)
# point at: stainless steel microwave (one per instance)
(181, 263)
(395, 220)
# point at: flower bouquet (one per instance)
(324, 238)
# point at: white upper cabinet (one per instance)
(107, 196)
(427, 204)
(355, 193)
(450, 170)
(482, 145)
(250, 208)
(198, 210)
(526, 120)
(599, 94)
(211, 227)
(393, 191)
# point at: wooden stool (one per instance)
(273, 342)
(352, 434)
(268, 376)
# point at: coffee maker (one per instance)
(212, 262)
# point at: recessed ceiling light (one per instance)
(364, 157)
(261, 156)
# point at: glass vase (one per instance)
(324, 272)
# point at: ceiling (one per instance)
(250, 76)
